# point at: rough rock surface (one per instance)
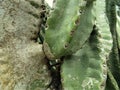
(22, 61)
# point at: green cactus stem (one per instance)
(114, 58)
(86, 69)
(63, 20)
(82, 33)
(103, 25)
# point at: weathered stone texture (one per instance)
(22, 61)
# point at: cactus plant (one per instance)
(105, 16)
(105, 39)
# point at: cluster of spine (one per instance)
(86, 35)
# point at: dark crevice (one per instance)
(55, 69)
(42, 25)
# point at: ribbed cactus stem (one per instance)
(82, 33)
(86, 69)
(114, 58)
(62, 22)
